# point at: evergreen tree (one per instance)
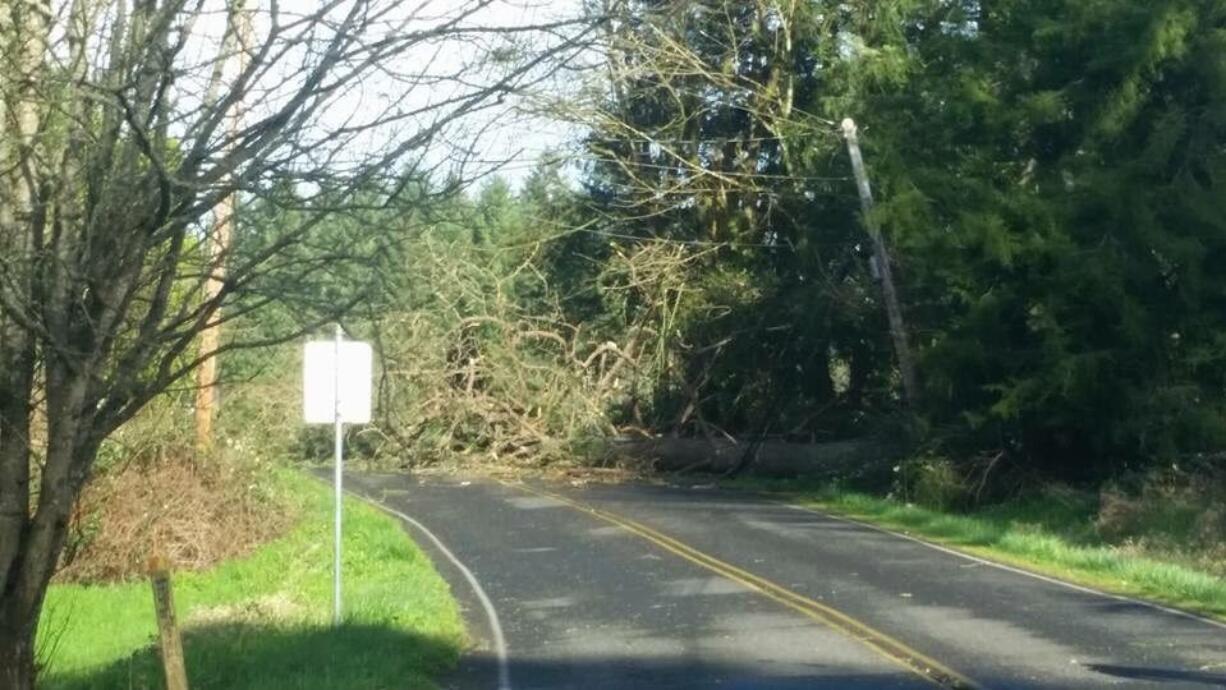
(1053, 172)
(1049, 171)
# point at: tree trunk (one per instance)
(17, 669)
(771, 458)
(24, 27)
(16, 381)
(860, 367)
(818, 382)
(69, 454)
(21, 602)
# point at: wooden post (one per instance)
(170, 644)
(898, 329)
(219, 241)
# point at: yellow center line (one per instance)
(881, 643)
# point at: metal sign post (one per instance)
(338, 456)
(337, 391)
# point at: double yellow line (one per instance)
(888, 647)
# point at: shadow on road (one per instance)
(667, 673)
(1217, 680)
(600, 673)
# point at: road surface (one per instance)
(644, 586)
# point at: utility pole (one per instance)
(219, 240)
(898, 329)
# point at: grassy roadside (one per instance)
(1044, 535)
(263, 621)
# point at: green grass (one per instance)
(1053, 535)
(264, 621)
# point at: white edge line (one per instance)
(1008, 568)
(500, 641)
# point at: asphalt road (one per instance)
(641, 586)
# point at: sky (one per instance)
(506, 138)
(516, 140)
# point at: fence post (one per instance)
(169, 642)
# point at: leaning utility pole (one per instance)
(898, 329)
(219, 238)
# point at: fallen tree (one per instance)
(764, 457)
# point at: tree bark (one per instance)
(70, 451)
(29, 574)
(24, 28)
(17, 670)
(771, 458)
(818, 382)
(860, 366)
(16, 382)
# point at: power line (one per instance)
(531, 163)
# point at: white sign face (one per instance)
(320, 378)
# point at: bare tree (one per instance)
(692, 123)
(655, 110)
(115, 150)
(706, 127)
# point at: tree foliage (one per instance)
(1050, 177)
(1053, 176)
(699, 137)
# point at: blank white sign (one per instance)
(320, 376)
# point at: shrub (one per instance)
(1173, 511)
(931, 481)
